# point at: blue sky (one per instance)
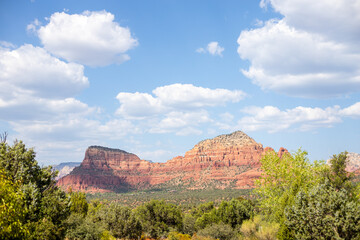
(156, 77)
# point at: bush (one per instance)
(158, 218)
(218, 231)
(325, 212)
(258, 228)
(178, 236)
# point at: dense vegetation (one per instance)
(295, 199)
(183, 197)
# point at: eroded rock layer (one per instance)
(226, 161)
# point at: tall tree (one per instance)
(46, 206)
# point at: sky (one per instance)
(156, 77)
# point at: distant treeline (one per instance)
(295, 199)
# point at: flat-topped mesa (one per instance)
(103, 158)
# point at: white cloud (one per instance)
(33, 26)
(189, 96)
(67, 137)
(352, 111)
(31, 71)
(212, 48)
(155, 155)
(176, 108)
(73, 128)
(338, 20)
(138, 105)
(6, 44)
(182, 123)
(200, 50)
(174, 97)
(308, 53)
(90, 38)
(272, 119)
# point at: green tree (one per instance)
(78, 203)
(218, 231)
(121, 221)
(337, 175)
(158, 217)
(202, 208)
(234, 212)
(207, 219)
(44, 204)
(281, 180)
(12, 211)
(324, 212)
(189, 224)
(257, 228)
(83, 228)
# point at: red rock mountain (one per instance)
(226, 161)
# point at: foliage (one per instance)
(178, 236)
(185, 198)
(189, 224)
(324, 212)
(120, 221)
(337, 175)
(235, 212)
(158, 217)
(78, 203)
(282, 178)
(206, 219)
(218, 231)
(12, 211)
(258, 228)
(83, 228)
(45, 207)
(202, 208)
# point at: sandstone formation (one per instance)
(226, 161)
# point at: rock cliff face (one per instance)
(226, 161)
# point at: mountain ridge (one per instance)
(226, 161)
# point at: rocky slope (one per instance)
(226, 161)
(65, 168)
(354, 162)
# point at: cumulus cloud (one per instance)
(182, 123)
(352, 111)
(338, 20)
(212, 48)
(173, 97)
(90, 38)
(65, 138)
(5, 44)
(308, 53)
(73, 129)
(272, 119)
(37, 100)
(31, 71)
(176, 108)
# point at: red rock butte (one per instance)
(226, 161)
